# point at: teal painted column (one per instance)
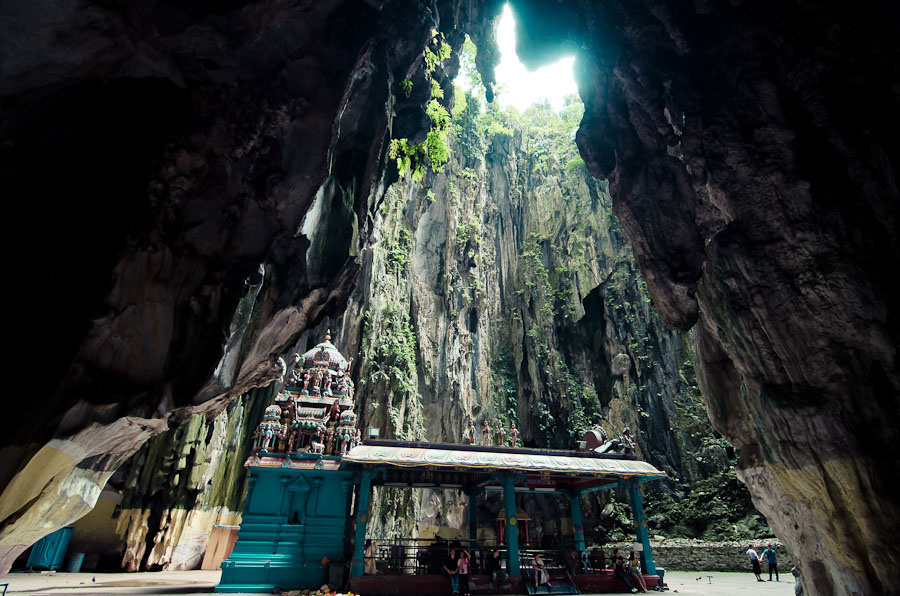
(577, 524)
(362, 518)
(640, 526)
(512, 525)
(473, 515)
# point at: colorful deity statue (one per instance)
(501, 435)
(627, 441)
(329, 440)
(346, 431)
(486, 433)
(470, 433)
(268, 429)
(513, 435)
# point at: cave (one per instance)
(162, 161)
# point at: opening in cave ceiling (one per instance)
(518, 87)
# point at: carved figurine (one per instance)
(317, 383)
(627, 441)
(306, 382)
(267, 435)
(513, 435)
(486, 433)
(282, 438)
(292, 442)
(334, 412)
(501, 435)
(470, 433)
(329, 440)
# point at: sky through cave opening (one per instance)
(518, 87)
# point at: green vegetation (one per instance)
(434, 151)
(715, 508)
(505, 389)
(390, 348)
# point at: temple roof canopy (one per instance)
(553, 468)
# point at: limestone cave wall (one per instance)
(159, 160)
(502, 289)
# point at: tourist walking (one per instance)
(754, 561)
(492, 566)
(770, 557)
(634, 571)
(450, 568)
(619, 568)
(462, 572)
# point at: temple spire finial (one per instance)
(328, 335)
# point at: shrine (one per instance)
(309, 467)
(296, 510)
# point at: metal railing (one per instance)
(427, 556)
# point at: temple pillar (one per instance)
(640, 526)
(362, 518)
(577, 524)
(512, 525)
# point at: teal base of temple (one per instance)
(293, 519)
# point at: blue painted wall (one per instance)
(292, 519)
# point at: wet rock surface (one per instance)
(747, 156)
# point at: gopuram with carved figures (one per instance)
(306, 511)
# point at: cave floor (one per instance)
(202, 582)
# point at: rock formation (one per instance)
(160, 159)
(746, 149)
(502, 290)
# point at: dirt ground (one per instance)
(187, 583)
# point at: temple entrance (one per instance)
(416, 565)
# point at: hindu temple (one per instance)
(307, 508)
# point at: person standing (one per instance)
(754, 561)
(450, 568)
(492, 566)
(462, 572)
(620, 570)
(772, 559)
(369, 557)
(541, 577)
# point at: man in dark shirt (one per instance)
(450, 569)
(620, 570)
(492, 566)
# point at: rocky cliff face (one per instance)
(745, 146)
(502, 289)
(185, 481)
(155, 155)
